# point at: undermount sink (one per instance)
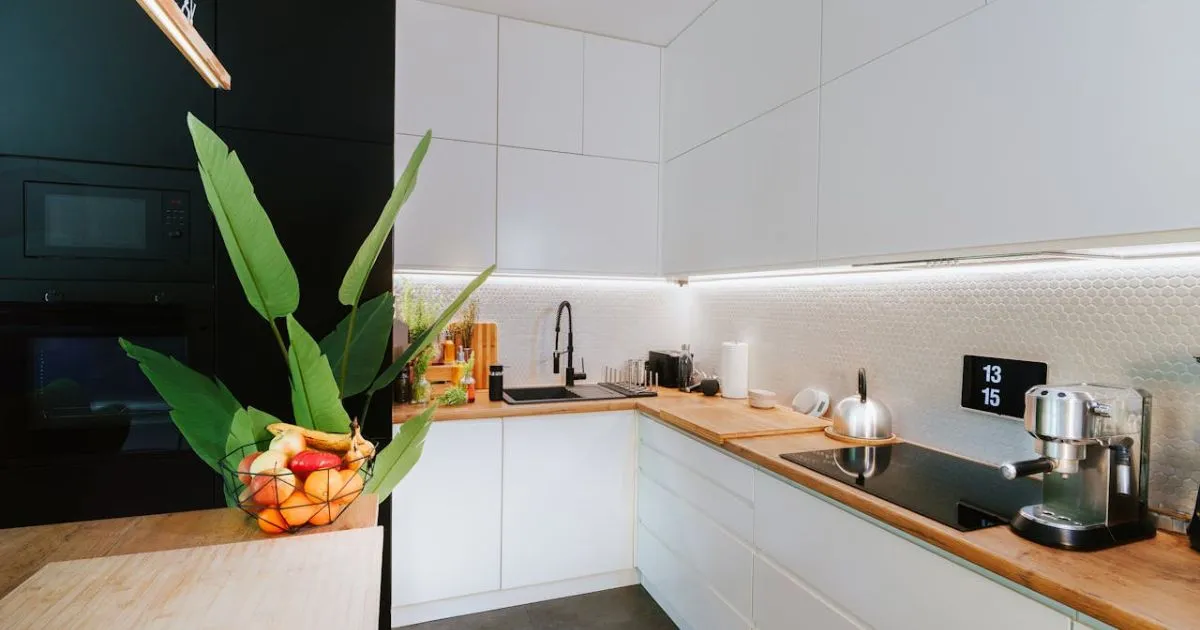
(557, 393)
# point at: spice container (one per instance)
(496, 383)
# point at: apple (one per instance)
(268, 460)
(243, 467)
(306, 462)
(273, 487)
(290, 442)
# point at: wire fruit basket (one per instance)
(281, 499)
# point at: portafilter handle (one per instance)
(1012, 470)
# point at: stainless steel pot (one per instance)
(862, 417)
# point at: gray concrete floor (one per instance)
(628, 608)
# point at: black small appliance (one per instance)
(1194, 527)
(664, 363)
(954, 491)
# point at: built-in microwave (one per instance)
(85, 221)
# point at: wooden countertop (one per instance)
(712, 418)
(1148, 584)
(25, 550)
(326, 580)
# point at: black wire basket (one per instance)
(288, 502)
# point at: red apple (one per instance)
(273, 487)
(306, 462)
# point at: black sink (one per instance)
(558, 393)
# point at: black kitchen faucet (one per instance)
(572, 376)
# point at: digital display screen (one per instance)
(998, 385)
(95, 222)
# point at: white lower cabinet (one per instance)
(877, 576)
(568, 496)
(446, 516)
(692, 603)
(503, 512)
(782, 602)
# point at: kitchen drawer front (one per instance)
(726, 508)
(688, 596)
(877, 576)
(721, 468)
(782, 603)
(721, 560)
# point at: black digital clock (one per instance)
(998, 385)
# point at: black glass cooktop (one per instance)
(958, 492)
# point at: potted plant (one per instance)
(252, 449)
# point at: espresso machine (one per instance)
(1094, 447)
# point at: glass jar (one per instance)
(421, 391)
(468, 383)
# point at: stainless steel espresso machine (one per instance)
(1094, 443)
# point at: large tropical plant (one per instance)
(322, 374)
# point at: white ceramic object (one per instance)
(811, 401)
(762, 399)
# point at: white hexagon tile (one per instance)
(1134, 324)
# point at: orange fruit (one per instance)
(325, 515)
(271, 521)
(323, 485)
(352, 486)
(298, 509)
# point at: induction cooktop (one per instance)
(958, 492)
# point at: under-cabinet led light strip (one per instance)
(176, 26)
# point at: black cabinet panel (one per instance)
(323, 196)
(97, 81)
(311, 67)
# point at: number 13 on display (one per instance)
(991, 395)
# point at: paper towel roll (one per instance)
(735, 369)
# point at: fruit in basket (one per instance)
(319, 440)
(308, 461)
(267, 460)
(271, 521)
(359, 452)
(352, 486)
(290, 442)
(326, 512)
(243, 467)
(272, 487)
(323, 485)
(298, 509)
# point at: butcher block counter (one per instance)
(207, 568)
(1148, 584)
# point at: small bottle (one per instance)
(447, 351)
(404, 386)
(1194, 528)
(495, 383)
(685, 367)
(468, 383)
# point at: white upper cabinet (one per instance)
(445, 71)
(1024, 121)
(574, 213)
(541, 87)
(857, 31)
(747, 199)
(740, 59)
(449, 222)
(620, 98)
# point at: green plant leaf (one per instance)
(202, 408)
(420, 343)
(262, 266)
(315, 399)
(394, 461)
(356, 276)
(249, 426)
(367, 345)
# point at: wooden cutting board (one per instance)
(328, 580)
(717, 420)
(486, 344)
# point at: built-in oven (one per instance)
(89, 254)
(83, 434)
(83, 221)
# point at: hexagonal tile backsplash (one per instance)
(1134, 324)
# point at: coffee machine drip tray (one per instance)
(957, 492)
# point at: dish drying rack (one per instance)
(634, 379)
